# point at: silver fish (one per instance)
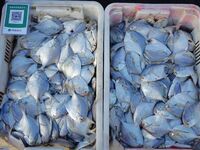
(87, 72)
(156, 125)
(33, 40)
(81, 128)
(87, 57)
(159, 34)
(62, 124)
(142, 111)
(79, 85)
(186, 72)
(63, 39)
(45, 125)
(17, 113)
(154, 90)
(31, 107)
(49, 52)
(56, 83)
(77, 107)
(57, 110)
(91, 33)
(50, 71)
(189, 87)
(117, 32)
(168, 142)
(134, 42)
(191, 117)
(176, 104)
(166, 82)
(155, 72)
(55, 130)
(140, 26)
(182, 134)
(184, 58)
(155, 51)
(82, 48)
(87, 143)
(136, 80)
(19, 65)
(160, 110)
(115, 74)
(128, 117)
(118, 60)
(112, 98)
(90, 97)
(136, 99)
(115, 115)
(38, 84)
(29, 127)
(17, 89)
(134, 62)
(150, 141)
(131, 135)
(74, 26)
(116, 47)
(66, 52)
(32, 69)
(124, 93)
(175, 122)
(7, 114)
(124, 73)
(72, 63)
(175, 87)
(191, 43)
(177, 42)
(76, 138)
(58, 107)
(49, 25)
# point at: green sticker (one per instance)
(16, 18)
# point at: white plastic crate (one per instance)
(92, 10)
(187, 15)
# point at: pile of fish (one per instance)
(154, 100)
(51, 91)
